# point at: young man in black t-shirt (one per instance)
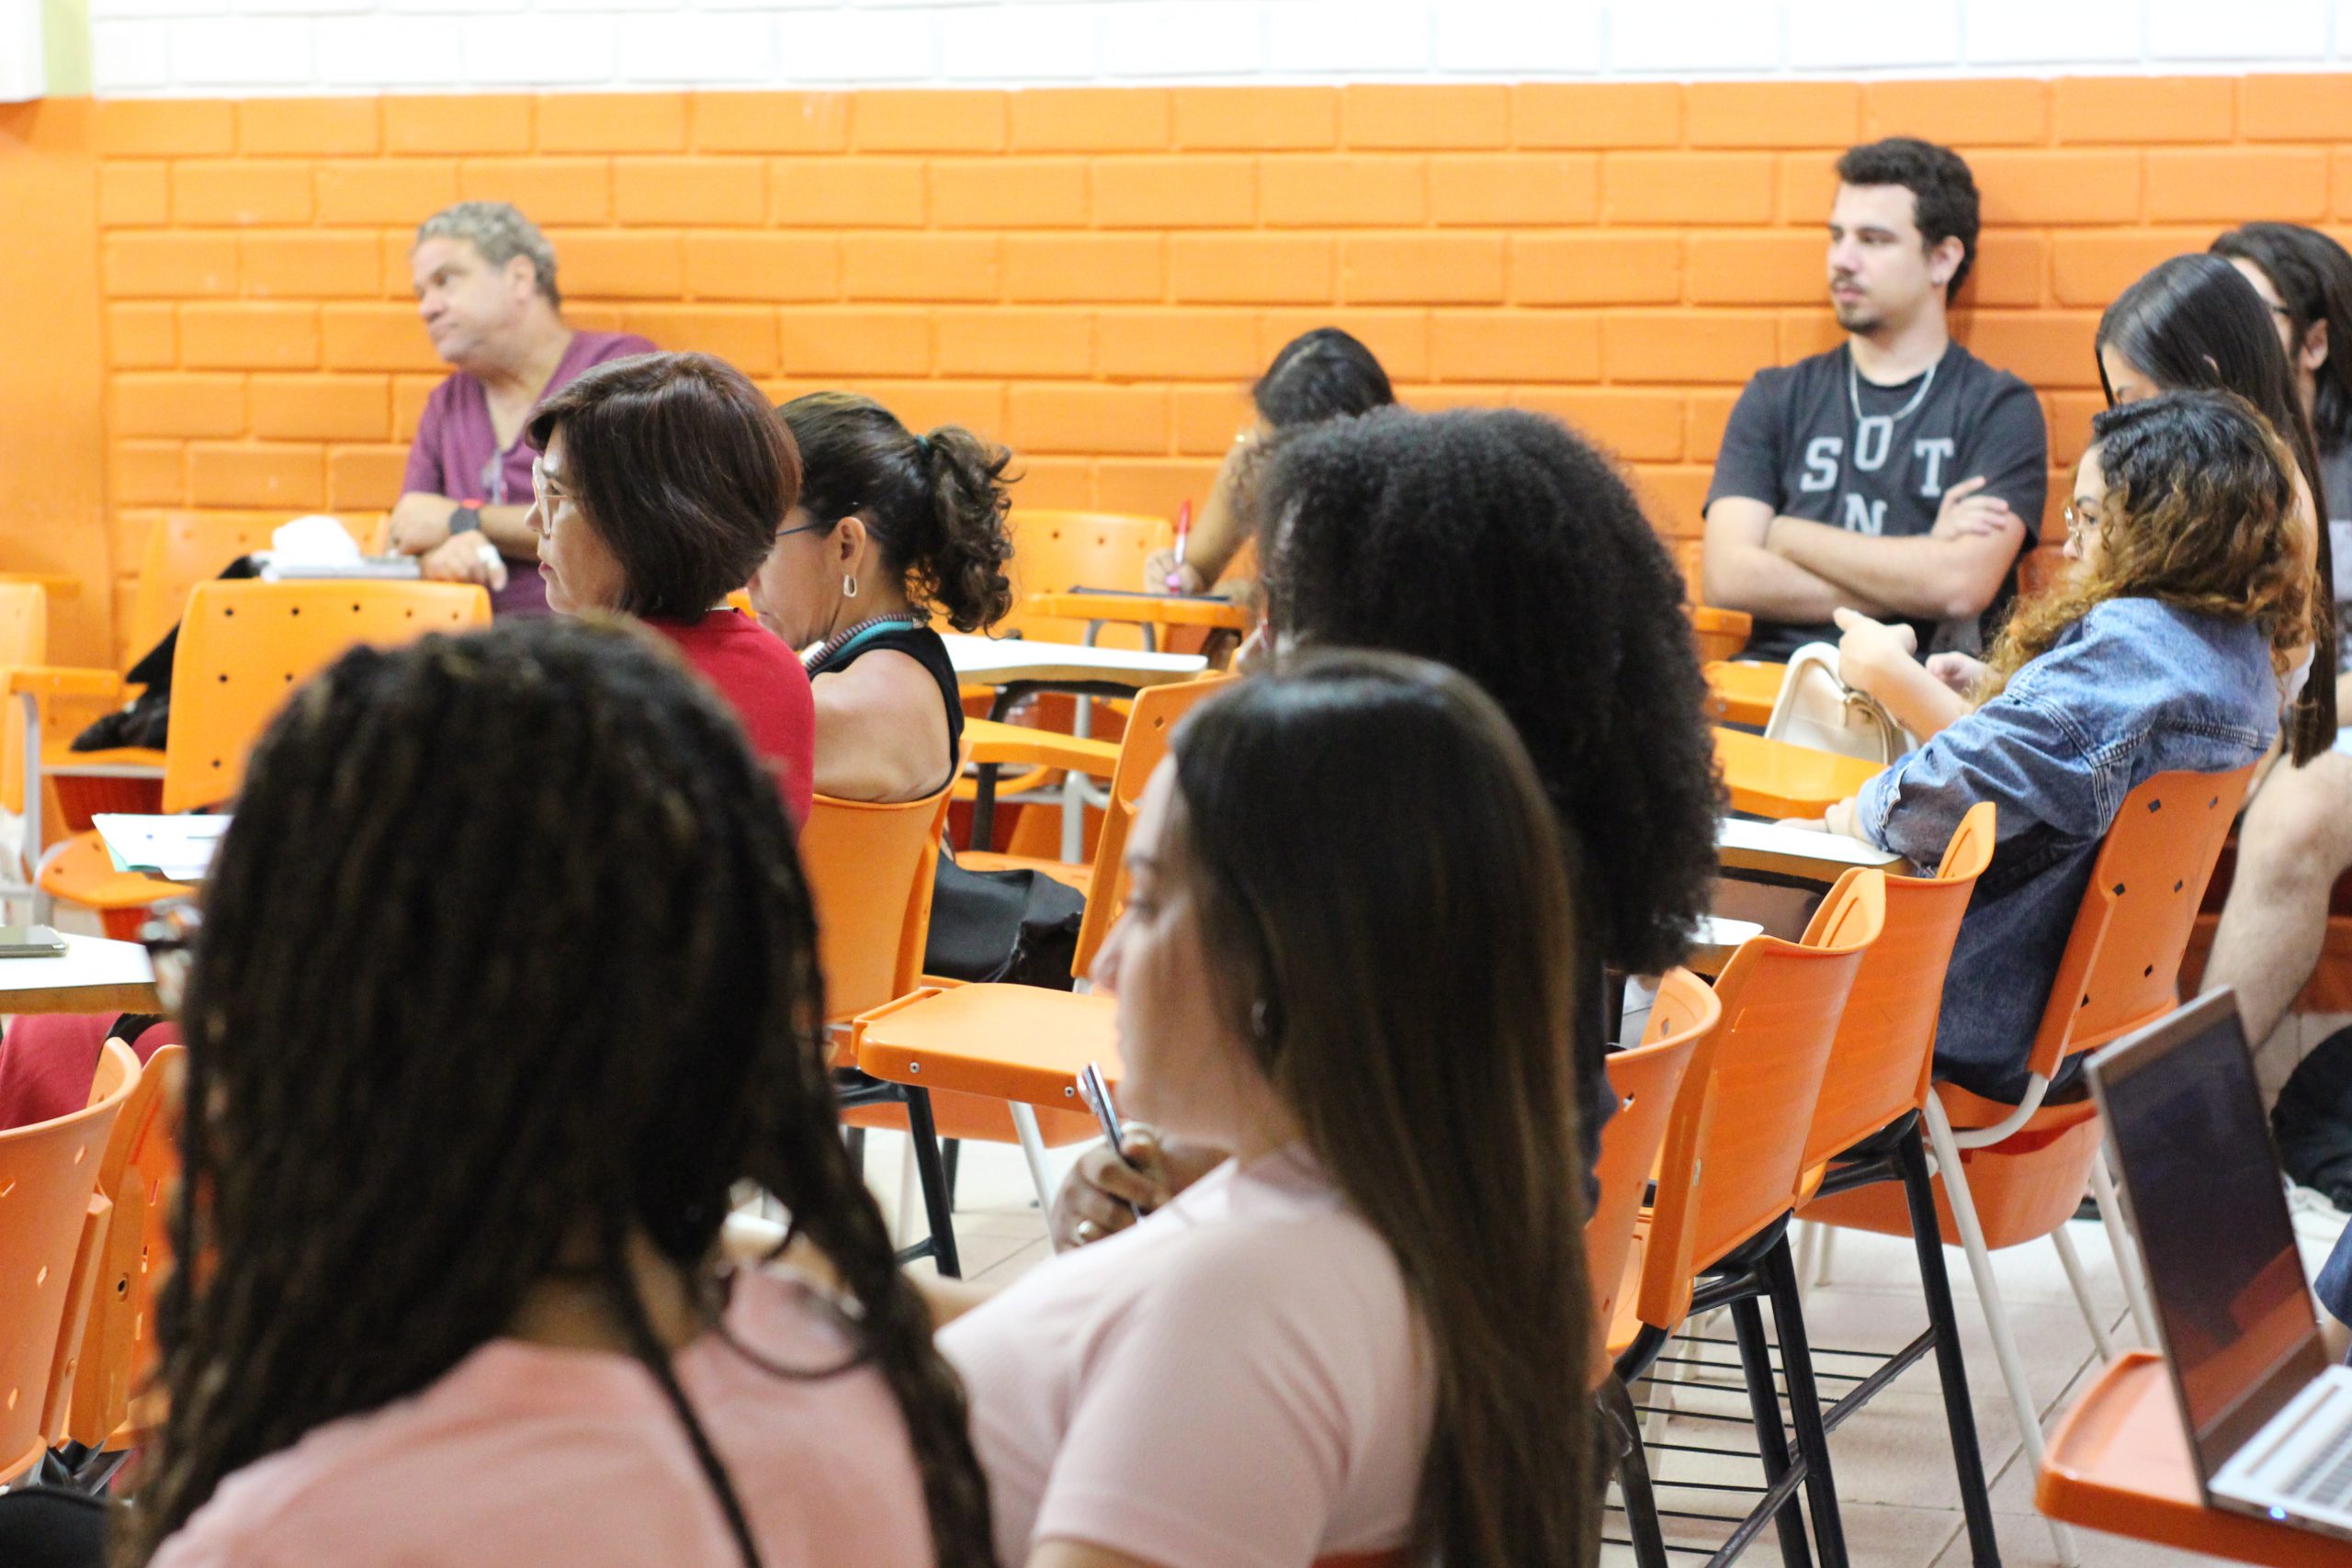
(1897, 475)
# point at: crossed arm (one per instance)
(1793, 569)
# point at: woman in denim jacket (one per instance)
(2166, 650)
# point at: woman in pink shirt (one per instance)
(1346, 958)
(658, 487)
(469, 1100)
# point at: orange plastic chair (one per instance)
(871, 872)
(1774, 778)
(1868, 1120)
(1644, 1082)
(53, 1221)
(2007, 1175)
(183, 549)
(1728, 1181)
(1056, 550)
(1743, 692)
(1720, 634)
(243, 646)
(119, 1350)
(1024, 1044)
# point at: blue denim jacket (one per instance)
(2133, 689)
(2334, 1286)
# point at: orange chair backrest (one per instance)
(1644, 1082)
(1735, 1148)
(185, 549)
(1141, 751)
(1884, 1057)
(245, 646)
(871, 870)
(24, 639)
(1053, 550)
(2122, 967)
(118, 1351)
(52, 1220)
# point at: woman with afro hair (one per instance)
(1504, 545)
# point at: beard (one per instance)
(1858, 316)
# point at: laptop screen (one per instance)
(2184, 1117)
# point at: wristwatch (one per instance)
(465, 517)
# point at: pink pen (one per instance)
(1183, 532)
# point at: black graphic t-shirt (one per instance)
(1795, 443)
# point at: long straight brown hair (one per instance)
(1385, 893)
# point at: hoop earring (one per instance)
(849, 586)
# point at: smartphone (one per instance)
(30, 941)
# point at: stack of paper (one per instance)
(177, 849)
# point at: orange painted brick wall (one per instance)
(1093, 274)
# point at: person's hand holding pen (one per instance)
(1166, 571)
(1110, 1187)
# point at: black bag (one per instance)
(1016, 926)
(147, 719)
(2312, 1120)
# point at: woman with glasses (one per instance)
(892, 531)
(462, 1131)
(658, 487)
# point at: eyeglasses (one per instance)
(169, 937)
(2077, 518)
(805, 528)
(540, 491)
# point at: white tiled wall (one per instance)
(198, 47)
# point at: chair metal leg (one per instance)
(2127, 1252)
(1952, 1370)
(1804, 1405)
(1032, 1149)
(903, 1219)
(1996, 1319)
(2069, 1259)
(1772, 1437)
(1809, 1235)
(1623, 1429)
(924, 1134)
(954, 1161)
(853, 1140)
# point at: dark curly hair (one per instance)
(1499, 543)
(390, 1141)
(933, 503)
(1943, 192)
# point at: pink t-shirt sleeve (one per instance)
(1216, 1422)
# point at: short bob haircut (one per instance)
(683, 470)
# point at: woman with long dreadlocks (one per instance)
(465, 1115)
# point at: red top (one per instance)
(762, 679)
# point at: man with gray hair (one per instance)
(486, 289)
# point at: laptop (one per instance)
(2269, 1420)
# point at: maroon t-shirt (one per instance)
(768, 689)
(455, 454)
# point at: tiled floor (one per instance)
(1892, 1459)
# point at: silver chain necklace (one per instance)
(1854, 392)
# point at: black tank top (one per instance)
(922, 645)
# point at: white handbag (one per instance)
(1818, 710)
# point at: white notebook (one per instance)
(177, 849)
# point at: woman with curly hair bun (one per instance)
(1503, 545)
(891, 530)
